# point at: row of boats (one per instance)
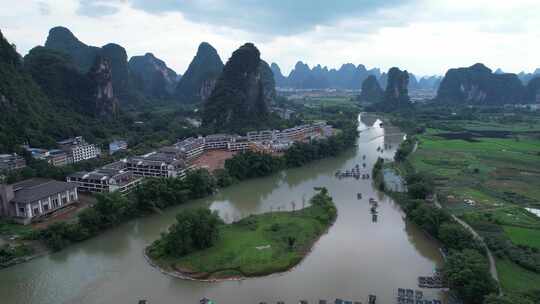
(409, 296)
(354, 172)
(371, 300)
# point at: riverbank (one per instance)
(157, 194)
(255, 246)
(463, 245)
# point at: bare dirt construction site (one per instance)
(212, 160)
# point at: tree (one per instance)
(195, 229)
(454, 236)
(223, 178)
(200, 183)
(468, 274)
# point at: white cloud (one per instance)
(424, 37)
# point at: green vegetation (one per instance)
(9, 228)
(515, 278)
(112, 209)
(8, 253)
(194, 230)
(485, 167)
(48, 98)
(523, 236)
(251, 164)
(254, 246)
(466, 273)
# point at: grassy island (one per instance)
(254, 246)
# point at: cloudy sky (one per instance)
(422, 36)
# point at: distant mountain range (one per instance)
(63, 87)
(348, 76)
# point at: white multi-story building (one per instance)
(78, 149)
(239, 144)
(191, 147)
(266, 135)
(156, 164)
(217, 141)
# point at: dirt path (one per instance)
(492, 266)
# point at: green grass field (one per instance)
(523, 236)
(516, 279)
(257, 245)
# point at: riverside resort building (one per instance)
(35, 198)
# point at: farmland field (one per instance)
(487, 172)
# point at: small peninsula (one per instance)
(255, 246)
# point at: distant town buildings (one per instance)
(33, 198)
(117, 145)
(9, 162)
(71, 151)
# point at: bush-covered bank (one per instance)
(466, 269)
(11, 255)
(254, 246)
(250, 164)
(113, 209)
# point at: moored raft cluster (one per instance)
(435, 281)
(371, 300)
(409, 296)
(354, 172)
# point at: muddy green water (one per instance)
(356, 258)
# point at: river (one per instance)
(356, 258)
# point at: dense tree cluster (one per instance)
(195, 229)
(251, 164)
(466, 274)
